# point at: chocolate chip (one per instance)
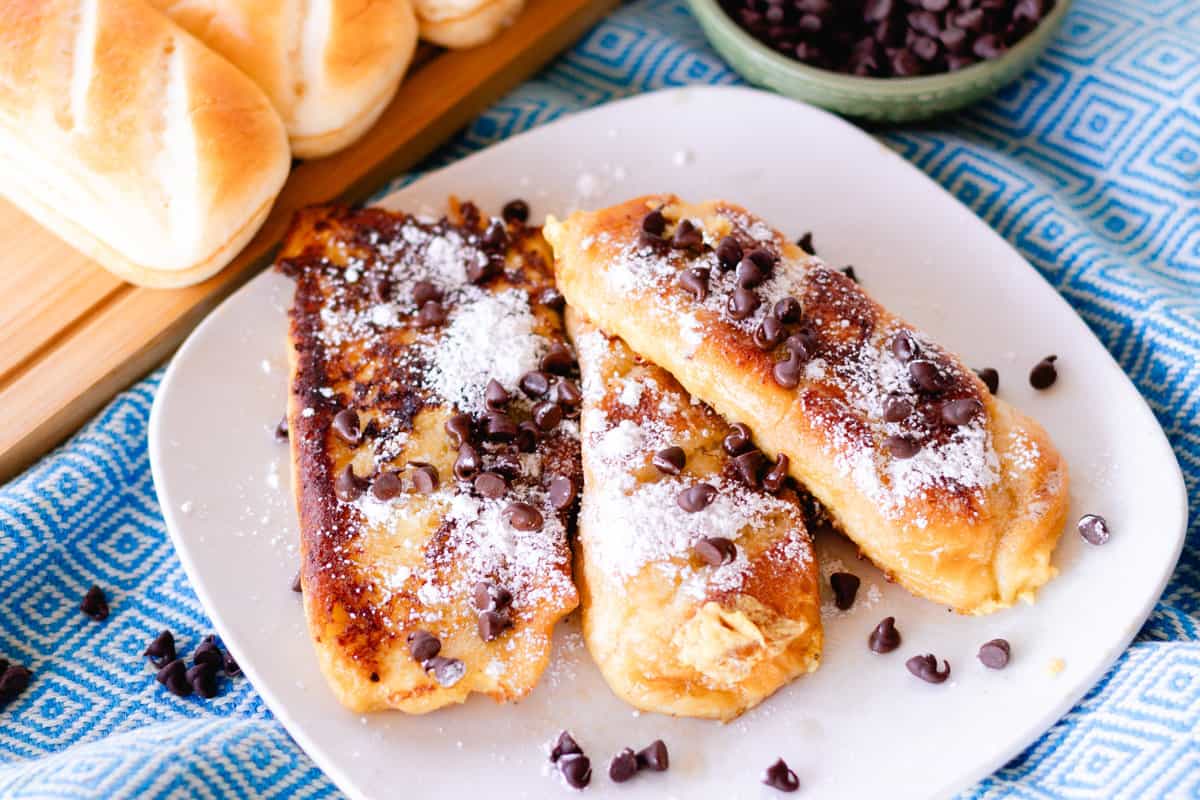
(905, 63)
(566, 393)
(654, 757)
(738, 440)
(805, 242)
(459, 429)
(885, 638)
(749, 467)
(687, 236)
(496, 236)
(670, 461)
(729, 253)
(961, 412)
(990, 378)
(490, 485)
(995, 654)
(534, 384)
(527, 437)
(524, 517)
(207, 652)
(624, 766)
(654, 223)
(1044, 373)
(988, 46)
(775, 478)
(492, 624)
(430, 314)
(743, 303)
(95, 604)
(849, 272)
(173, 676)
(896, 408)
(161, 651)
(423, 645)
(765, 259)
(297, 587)
(787, 310)
(425, 478)
(769, 333)
(558, 359)
(779, 776)
(345, 425)
(925, 667)
(490, 597)
(562, 493)
(1093, 529)
(230, 665)
(495, 396)
(749, 274)
(515, 211)
(927, 375)
(467, 463)
(902, 446)
(380, 286)
(479, 271)
(845, 588)
(203, 680)
(507, 463)
(499, 427)
(696, 498)
(803, 343)
(446, 671)
(552, 298)
(387, 486)
(787, 373)
(348, 486)
(576, 770)
(695, 281)
(281, 430)
(715, 550)
(904, 347)
(14, 679)
(565, 746)
(547, 415)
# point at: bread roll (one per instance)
(132, 141)
(329, 66)
(465, 23)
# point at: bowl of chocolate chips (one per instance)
(881, 60)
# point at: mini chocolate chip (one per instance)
(988, 46)
(904, 347)
(558, 359)
(524, 517)
(490, 485)
(787, 310)
(479, 271)
(1093, 528)
(552, 298)
(670, 460)
(281, 430)
(695, 281)
(515, 211)
(387, 486)
(527, 437)
(995, 654)
(654, 223)
(576, 770)
(423, 645)
(507, 464)
(297, 585)
(769, 333)
(787, 373)
(345, 425)
(446, 671)
(845, 588)
(161, 650)
(203, 680)
(696, 498)
(490, 597)
(495, 395)
(534, 384)
(749, 273)
(687, 236)
(902, 446)
(885, 638)
(14, 679)
(654, 757)
(896, 408)
(566, 393)
(729, 253)
(459, 429)
(990, 378)
(499, 427)
(424, 291)
(742, 303)
(547, 415)
(715, 550)
(565, 746)
(425, 478)
(174, 677)
(562, 492)
(380, 286)
(925, 667)
(492, 624)
(624, 766)
(749, 466)
(207, 652)
(738, 440)
(849, 272)
(431, 314)
(775, 478)
(496, 236)
(805, 242)
(348, 486)
(1044, 373)
(230, 664)
(763, 258)
(779, 776)
(927, 375)
(95, 604)
(804, 343)
(467, 463)
(961, 412)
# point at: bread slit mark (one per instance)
(317, 21)
(83, 55)
(178, 161)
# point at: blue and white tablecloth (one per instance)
(1090, 165)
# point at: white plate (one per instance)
(861, 726)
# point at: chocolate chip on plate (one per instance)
(161, 651)
(925, 667)
(776, 477)
(547, 415)
(715, 550)
(687, 236)
(904, 347)
(849, 272)
(345, 425)
(896, 408)
(738, 440)
(495, 396)
(962, 411)
(95, 604)
(492, 624)
(654, 757)
(534, 384)
(576, 770)
(990, 378)
(173, 676)
(624, 766)
(565, 745)
(387, 485)
(670, 460)
(696, 498)
(995, 654)
(1044, 373)
(203, 680)
(780, 776)
(348, 486)
(446, 671)
(459, 429)
(423, 645)
(490, 485)
(281, 430)
(425, 478)
(297, 586)
(885, 638)
(558, 359)
(1093, 528)
(654, 223)
(467, 464)
(805, 242)
(902, 446)
(524, 517)
(742, 303)
(695, 281)
(845, 588)
(515, 211)
(729, 253)
(562, 492)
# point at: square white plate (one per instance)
(861, 726)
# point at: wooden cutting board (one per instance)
(72, 335)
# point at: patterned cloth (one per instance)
(1090, 165)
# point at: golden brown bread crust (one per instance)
(670, 632)
(131, 140)
(375, 571)
(971, 520)
(459, 24)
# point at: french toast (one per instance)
(435, 453)
(698, 584)
(951, 491)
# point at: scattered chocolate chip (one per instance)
(901, 446)
(779, 776)
(173, 675)
(885, 638)
(430, 314)
(496, 236)
(927, 375)
(742, 303)
(1093, 528)
(490, 485)
(749, 467)
(527, 436)
(467, 463)
(749, 274)
(729, 253)
(552, 298)
(425, 478)
(738, 440)
(281, 430)
(524, 517)
(995, 654)
(348, 486)
(161, 651)
(624, 766)
(425, 291)
(787, 373)
(904, 347)
(230, 665)
(576, 770)
(925, 667)
(297, 587)
(845, 588)
(562, 493)
(654, 223)
(566, 393)
(687, 236)
(446, 671)
(558, 359)
(492, 624)
(769, 333)
(1044, 373)
(207, 652)
(423, 645)
(14, 679)
(715, 550)
(765, 259)
(95, 604)
(345, 425)
(803, 343)
(387, 486)
(459, 429)
(787, 310)
(515, 211)
(849, 272)
(775, 478)
(896, 408)
(990, 378)
(696, 498)
(490, 597)
(695, 281)
(654, 757)
(961, 412)
(495, 396)
(670, 461)
(380, 287)
(534, 384)
(805, 242)
(547, 415)
(203, 680)
(565, 746)
(479, 271)
(499, 427)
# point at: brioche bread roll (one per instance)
(465, 23)
(329, 66)
(131, 140)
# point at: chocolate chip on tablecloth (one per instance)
(95, 604)
(654, 757)
(696, 498)
(925, 667)
(995, 654)
(207, 652)
(14, 679)
(425, 478)
(203, 680)
(230, 665)
(345, 425)
(161, 651)
(423, 645)
(173, 675)
(515, 211)
(669, 460)
(623, 766)
(524, 517)
(885, 638)
(1044, 373)
(715, 550)
(780, 776)
(845, 588)
(387, 486)
(1093, 528)
(562, 492)
(297, 586)
(990, 378)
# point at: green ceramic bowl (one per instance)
(878, 99)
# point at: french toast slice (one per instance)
(435, 454)
(698, 583)
(951, 491)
